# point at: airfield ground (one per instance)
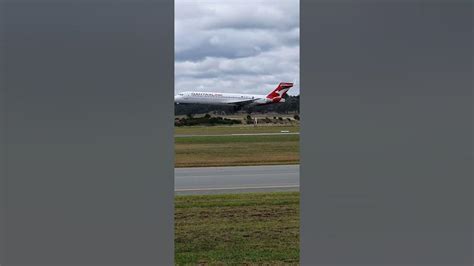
(237, 129)
(249, 228)
(242, 228)
(216, 146)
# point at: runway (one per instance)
(212, 180)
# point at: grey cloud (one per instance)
(231, 43)
(236, 45)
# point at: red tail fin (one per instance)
(280, 91)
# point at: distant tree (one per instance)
(291, 105)
(249, 119)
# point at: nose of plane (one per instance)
(177, 98)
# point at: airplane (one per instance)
(234, 99)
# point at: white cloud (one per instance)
(236, 45)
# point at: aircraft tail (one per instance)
(280, 91)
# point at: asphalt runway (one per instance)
(213, 180)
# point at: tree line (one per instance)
(290, 106)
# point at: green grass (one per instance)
(200, 151)
(237, 139)
(249, 228)
(236, 129)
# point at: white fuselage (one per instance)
(217, 98)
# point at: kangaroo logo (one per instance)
(280, 91)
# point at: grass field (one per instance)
(252, 228)
(197, 151)
(236, 150)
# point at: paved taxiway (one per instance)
(211, 180)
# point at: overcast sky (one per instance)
(236, 45)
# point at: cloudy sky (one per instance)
(236, 45)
